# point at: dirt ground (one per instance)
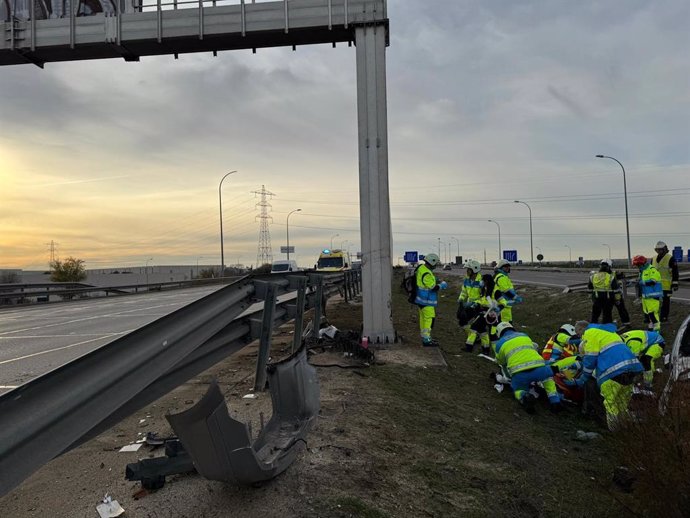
(420, 433)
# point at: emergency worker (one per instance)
(504, 292)
(649, 289)
(668, 269)
(616, 367)
(517, 354)
(471, 302)
(647, 346)
(563, 344)
(603, 286)
(619, 301)
(427, 297)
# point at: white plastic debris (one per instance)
(329, 331)
(581, 435)
(500, 378)
(250, 396)
(109, 508)
(498, 387)
(131, 447)
(482, 355)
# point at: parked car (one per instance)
(284, 266)
(678, 362)
(447, 266)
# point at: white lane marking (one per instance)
(80, 335)
(53, 350)
(8, 386)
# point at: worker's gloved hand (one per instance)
(674, 286)
(517, 299)
(618, 297)
(443, 285)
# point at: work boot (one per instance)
(430, 343)
(486, 351)
(469, 347)
(527, 403)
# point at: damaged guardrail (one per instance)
(66, 407)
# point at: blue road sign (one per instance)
(411, 257)
(510, 255)
(678, 253)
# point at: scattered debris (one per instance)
(109, 508)
(583, 436)
(131, 447)
(141, 493)
(499, 387)
(250, 396)
(329, 331)
(482, 355)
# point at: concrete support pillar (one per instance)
(375, 220)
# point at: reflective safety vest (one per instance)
(426, 282)
(472, 289)
(503, 285)
(558, 347)
(601, 282)
(664, 268)
(515, 351)
(650, 283)
(605, 352)
(644, 343)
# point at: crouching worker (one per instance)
(473, 305)
(615, 364)
(515, 352)
(647, 346)
(427, 297)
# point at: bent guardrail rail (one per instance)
(64, 408)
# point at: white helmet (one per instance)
(568, 329)
(432, 259)
(660, 245)
(607, 262)
(473, 265)
(502, 263)
(502, 327)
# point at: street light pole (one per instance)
(531, 245)
(334, 235)
(625, 195)
(458, 244)
(287, 231)
(146, 268)
(197, 265)
(220, 204)
(499, 237)
(604, 244)
(570, 254)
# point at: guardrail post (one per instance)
(346, 286)
(265, 337)
(299, 317)
(318, 308)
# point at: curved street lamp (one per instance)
(531, 246)
(604, 244)
(197, 265)
(146, 269)
(220, 204)
(625, 195)
(334, 235)
(287, 231)
(570, 253)
(499, 237)
(458, 244)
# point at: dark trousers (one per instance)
(622, 311)
(602, 305)
(665, 306)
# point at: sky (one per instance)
(488, 102)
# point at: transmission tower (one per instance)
(264, 254)
(53, 245)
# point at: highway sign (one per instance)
(678, 253)
(287, 249)
(510, 255)
(411, 257)
(540, 257)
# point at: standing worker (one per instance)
(504, 292)
(427, 297)
(516, 353)
(616, 367)
(471, 303)
(603, 287)
(619, 301)
(648, 346)
(650, 291)
(668, 269)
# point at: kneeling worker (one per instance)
(615, 364)
(516, 353)
(427, 297)
(648, 346)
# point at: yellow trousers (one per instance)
(616, 400)
(651, 309)
(426, 321)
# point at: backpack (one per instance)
(488, 285)
(409, 284)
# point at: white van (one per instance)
(284, 266)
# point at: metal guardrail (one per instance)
(62, 409)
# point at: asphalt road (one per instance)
(561, 279)
(37, 339)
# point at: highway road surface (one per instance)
(37, 339)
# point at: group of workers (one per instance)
(586, 354)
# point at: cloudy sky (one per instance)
(488, 102)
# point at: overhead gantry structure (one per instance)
(38, 33)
